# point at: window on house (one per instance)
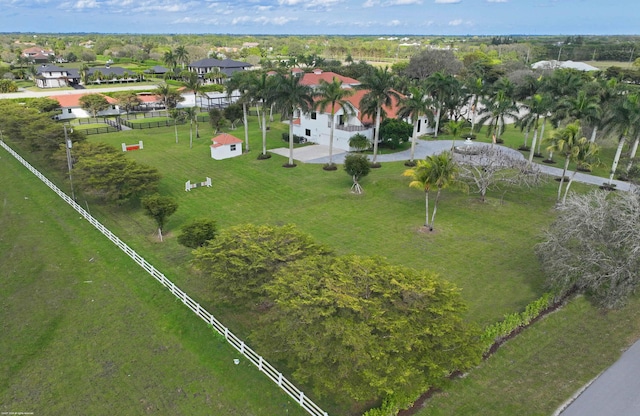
(233, 147)
(113, 107)
(418, 129)
(69, 110)
(314, 115)
(307, 132)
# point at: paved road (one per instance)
(614, 392)
(319, 154)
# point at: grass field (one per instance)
(486, 249)
(86, 331)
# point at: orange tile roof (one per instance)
(313, 79)
(224, 139)
(73, 100)
(356, 98)
(149, 98)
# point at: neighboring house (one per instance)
(51, 76)
(38, 55)
(580, 66)
(71, 108)
(149, 102)
(110, 75)
(225, 146)
(315, 126)
(157, 70)
(225, 66)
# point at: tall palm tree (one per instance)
(332, 95)
(455, 129)
(496, 108)
(169, 60)
(170, 96)
(379, 86)
(475, 89)
(567, 142)
(239, 81)
(176, 115)
(624, 119)
(194, 84)
(438, 171)
(289, 96)
(538, 107)
(414, 106)
(182, 56)
(260, 89)
(584, 107)
(190, 114)
(440, 86)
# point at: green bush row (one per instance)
(513, 321)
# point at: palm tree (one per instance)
(436, 170)
(440, 86)
(170, 96)
(176, 115)
(537, 106)
(416, 105)
(191, 114)
(260, 89)
(583, 107)
(182, 56)
(475, 88)
(239, 81)
(495, 109)
(455, 129)
(378, 84)
(194, 84)
(567, 142)
(289, 95)
(332, 95)
(169, 60)
(623, 118)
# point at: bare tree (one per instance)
(593, 247)
(490, 168)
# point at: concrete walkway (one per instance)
(319, 154)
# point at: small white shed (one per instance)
(225, 146)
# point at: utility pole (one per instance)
(68, 146)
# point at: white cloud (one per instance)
(370, 3)
(447, 1)
(497, 1)
(86, 4)
(404, 2)
(394, 23)
(456, 22)
(278, 20)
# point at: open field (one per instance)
(486, 249)
(86, 331)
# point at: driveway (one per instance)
(319, 154)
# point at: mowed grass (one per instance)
(486, 249)
(540, 369)
(87, 331)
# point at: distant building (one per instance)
(38, 55)
(211, 65)
(70, 107)
(553, 64)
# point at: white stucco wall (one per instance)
(225, 152)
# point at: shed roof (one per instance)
(224, 139)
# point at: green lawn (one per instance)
(486, 249)
(86, 331)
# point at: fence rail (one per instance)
(99, 130)
(237, 343)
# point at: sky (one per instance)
(330, 17)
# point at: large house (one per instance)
(38, 55)
(210, 65)
(71, 108)
(315, 126)
(51, 76)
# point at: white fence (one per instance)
(236, 342)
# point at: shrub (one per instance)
(296, 138)
(196, 233)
